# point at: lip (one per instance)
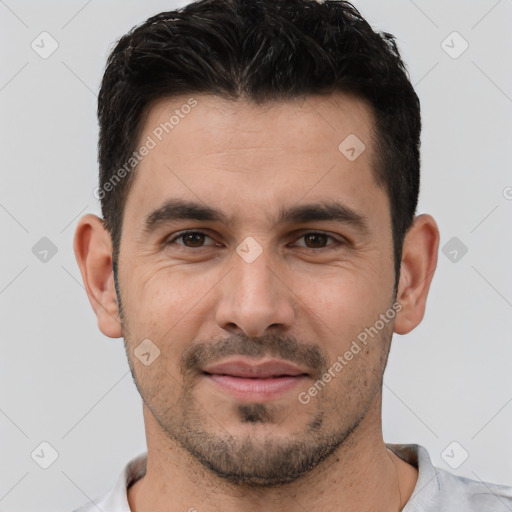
(248, 369)
(249, 381)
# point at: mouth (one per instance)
(247, 381)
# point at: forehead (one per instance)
(235, 153)
(216, 124)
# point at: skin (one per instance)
(297, 295)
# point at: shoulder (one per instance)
(473, 495)
(116, 499)
(441, 491)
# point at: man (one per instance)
(259, 175)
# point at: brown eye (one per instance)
(315, 240)
(193, 239)
(190, 240)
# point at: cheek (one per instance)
(342, 306)
(163, 303)
(355, 374)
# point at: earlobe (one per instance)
(419, 261)
(93, 252)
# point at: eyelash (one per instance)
(326, 248)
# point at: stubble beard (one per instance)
(257, 459)
(253, 459)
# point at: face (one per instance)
(254, 254)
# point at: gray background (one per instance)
(63, 382)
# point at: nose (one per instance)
(254, 297)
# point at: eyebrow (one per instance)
(180, 209)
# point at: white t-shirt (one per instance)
(436, 490)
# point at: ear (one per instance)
(419, 261)
(93, 252)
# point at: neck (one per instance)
(361, 475)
